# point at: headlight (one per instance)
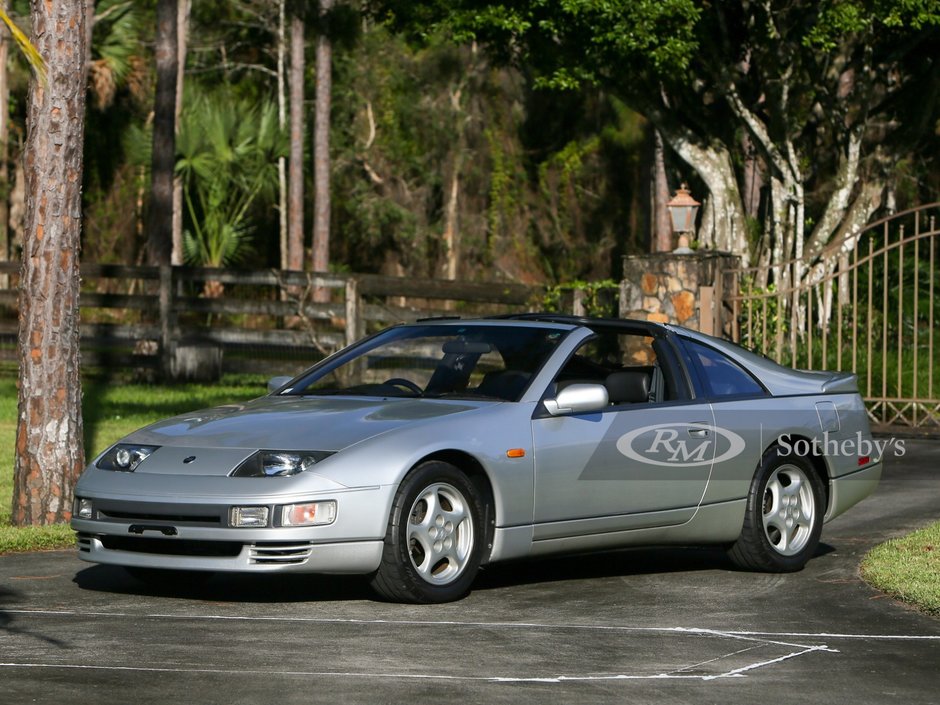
(279, 463)
(125, 457)
(82, 508)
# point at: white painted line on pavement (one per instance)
(455, 623)
(679, 673)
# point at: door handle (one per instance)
(698, 432)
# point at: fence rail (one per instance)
(157, 317)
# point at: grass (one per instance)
(110, 411)
(35, 538)
(908, 568)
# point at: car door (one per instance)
(639, 462)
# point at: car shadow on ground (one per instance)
(227, 587)
(609, 564)
(286, 588)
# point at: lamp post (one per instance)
(682, 210)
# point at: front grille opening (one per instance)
(175, 518)
(172, 547)
(272, 552)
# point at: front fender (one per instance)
(486, 434)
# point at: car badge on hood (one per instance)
(190, 459)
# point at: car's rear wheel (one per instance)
(783, 518)
(434, 537)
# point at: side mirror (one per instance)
(276, 383)
(578, 399)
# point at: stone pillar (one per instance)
(667, 287)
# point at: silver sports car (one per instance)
(425, 451)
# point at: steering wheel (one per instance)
(405, 384)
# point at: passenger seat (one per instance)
(629, 386)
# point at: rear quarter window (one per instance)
(722, 376)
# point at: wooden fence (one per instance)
(171, 318)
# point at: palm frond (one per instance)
(29, 50)
(227, 155)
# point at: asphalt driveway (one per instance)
(677, 625)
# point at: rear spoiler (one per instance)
(840, 383)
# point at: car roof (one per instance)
(586, 321)
(562, 321)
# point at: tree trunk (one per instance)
(182, 38)
(281, 123)
(321, 156)
(754, 178)
(295, 210)
(724, 225)
(49, 454)
(724, 228)
(662, 224)
(451, 237)
(4, 152)
(452, 210)
(163, 161)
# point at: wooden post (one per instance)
(718, 301)
(577, 302)
(167, 319)
(354, 328)
(706, 311)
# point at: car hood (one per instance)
(296, 423)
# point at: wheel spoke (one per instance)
(795, 485)
(806, 513)
(775, 490)
(455, 516)
(787, 532)
(431, 509)
(779, 535)
(427, 560)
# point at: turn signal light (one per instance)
(309, 513)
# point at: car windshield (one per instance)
(438, 361)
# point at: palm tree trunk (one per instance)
(295, 210)
(281, 123)
(321, 156)
(182, 37)
(49, 454)
(4, 152)
(160, 211)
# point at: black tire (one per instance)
(434, 539)
(783, 518)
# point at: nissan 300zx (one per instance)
(428, 450)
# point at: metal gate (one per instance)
(868, 304)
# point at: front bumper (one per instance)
(268, 556)
(190, 530)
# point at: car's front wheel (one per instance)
(783, 518)
(434, 539)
